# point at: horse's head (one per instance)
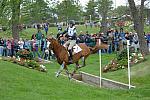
(51, 42)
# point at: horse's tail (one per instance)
(97, 47)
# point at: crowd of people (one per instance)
(116, 40)
(38, 44)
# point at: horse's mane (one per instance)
(56, 44)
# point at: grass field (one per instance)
(20, 83)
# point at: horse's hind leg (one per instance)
(83, 61)
(76, 68)
(67, 72)
(60, 69)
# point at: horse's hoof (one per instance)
(72, 75)
(69, 77)
(56, 75)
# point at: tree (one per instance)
(11, 10)
(22, 11)
(138, 20)
(90, 9)
(34, 12)
(5, 14)
(68, 9)
(122, 10)
(2, 6)
(15, 7)
(103, 8)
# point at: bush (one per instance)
(33, 64)
(21, 63)
(121, 60)
(13, 60)
(26, 63)
(25, 54)
(122, 55)
(36, 59)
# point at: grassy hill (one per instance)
(20, 83)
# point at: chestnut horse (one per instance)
(62, 55)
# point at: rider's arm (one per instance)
(75, 32)
(65, 31)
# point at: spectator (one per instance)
(135, 43)
(20, 43)
(46, 28)
(148, 40)
(12, 47)
(1, 46)
(116, 40)
(81, 37)
(59, 27)
(16, 47)
(33, 36)
(26, 45)
(122, 39)
(8, 47)
(43, 45)
(35, 48)
(110, 41)
(5, 48)
(39, 36)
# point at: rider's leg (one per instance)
(70, 55)
(72, 43)
(66, 44)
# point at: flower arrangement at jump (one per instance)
(121, 61)
(24, 54)
(25, 58)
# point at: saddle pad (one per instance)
(76, 49)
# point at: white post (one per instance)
(90, 18)
(129, 74)
(100, 65)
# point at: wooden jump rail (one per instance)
(94, 80)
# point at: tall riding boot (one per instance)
(70, 57)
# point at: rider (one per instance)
(71, 38)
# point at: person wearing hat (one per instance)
(71, 35)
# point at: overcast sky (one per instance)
(118, 2)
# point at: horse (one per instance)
(62, 55)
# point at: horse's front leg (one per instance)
(60, 69)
